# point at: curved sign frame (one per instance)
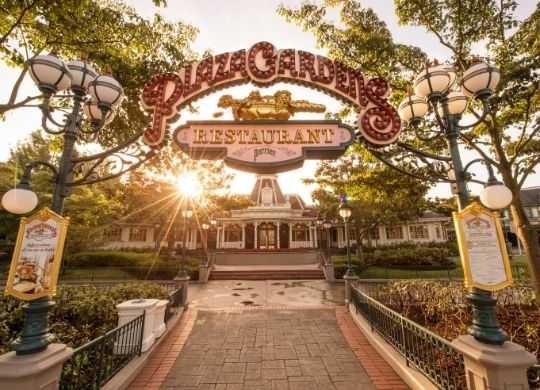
(262, 64)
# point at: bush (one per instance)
(107, 258)
(81, 314)
(412, 256)
(443, 308)
(139, 265)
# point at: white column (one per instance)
(223, 236)
(256, 234)
(278, 224)
(243, 235)
(315, 236)
(290, 234)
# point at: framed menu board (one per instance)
(37, 256)
(482, 248)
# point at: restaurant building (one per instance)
(276, 221)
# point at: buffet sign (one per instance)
(482, 248)
(37, 256)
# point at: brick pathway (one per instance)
(268, 348)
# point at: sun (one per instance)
(188, 185)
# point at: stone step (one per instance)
(267, 258)
(267, 275)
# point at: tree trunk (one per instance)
(519, 218)
(529, 240)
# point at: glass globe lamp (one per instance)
(457, 104)
(106, 91)
(95, 114)
(345, 212)
(19, 201)
(327, 225)
(480, 79)
(49, 73)
(434, 81)
(413, 108)
(496, 196)
(82, 74)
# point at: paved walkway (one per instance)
(270, 347)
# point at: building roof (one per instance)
(530, 196)
(269, 184)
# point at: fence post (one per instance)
(348, 286)
(493, 366)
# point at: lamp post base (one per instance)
(349, 278)
(35, 335)
(183, 282)
(485, 328)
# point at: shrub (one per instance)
(107, 258)
(443, 308)
(81, 314)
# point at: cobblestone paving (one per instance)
(267, 349)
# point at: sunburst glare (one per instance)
(188, 185)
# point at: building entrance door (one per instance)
(284, 236)
(267, 236)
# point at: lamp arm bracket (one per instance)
(440, 121)
(127, 168)
(27, 173)
(480, 119)
(110, 151)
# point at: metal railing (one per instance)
(96, 362)
(429, 353)
(175, 301)
(533, 375)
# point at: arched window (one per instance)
(233, 233)
(300, 232)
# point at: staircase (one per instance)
(279, 265)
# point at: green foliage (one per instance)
(135, 265)
(508, 138)
(415, 260)
(81, 313)
(109, 33)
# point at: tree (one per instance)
(378, 195)
(109, 34)
(508, 137)
(89, 207)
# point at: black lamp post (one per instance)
(205, 228)
(97, 97)
(186, 214)
(345, 212)
(437, 91)
(318, 225)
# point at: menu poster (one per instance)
(37, 256)
(482, 248)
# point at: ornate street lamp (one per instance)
(98, 96)
(438, 92)
(318, 225)
(345, 212)
(327, 225)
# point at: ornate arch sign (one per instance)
(262, 64)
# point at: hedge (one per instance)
(81, 313)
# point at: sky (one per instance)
(236, 24)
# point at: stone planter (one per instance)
(132, 309)
(159, 318)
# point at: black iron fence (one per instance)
(94, 363)
(176, 298)
(429, 353)
(533, 374)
